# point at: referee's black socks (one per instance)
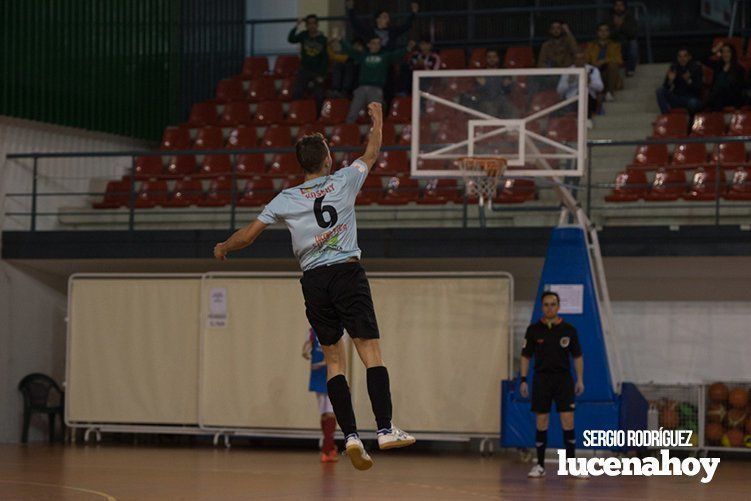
(569, 440)
(380, 397)
(541, 443)
(341, 401)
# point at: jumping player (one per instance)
(551, 341)
(320, 214)
(311, 350)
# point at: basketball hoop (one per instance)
(481, 175)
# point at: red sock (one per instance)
(328, 425)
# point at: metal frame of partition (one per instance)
(200, 428)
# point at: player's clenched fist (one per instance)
(376, 112)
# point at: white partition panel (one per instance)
(133, 349)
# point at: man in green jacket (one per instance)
(314, 59)
(374, 68)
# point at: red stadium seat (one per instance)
(261, 89)
(250, 164)
(187, 192)
(389, 134)
(651, 155)
(181, 166)
(116, 194)
(285, 90)
(202, 114)
(630, 185)
(563, 129)
(301, 112)
(703, 184)
(345, 135)
(740, 123)
(286, 66)
(401, 110)
(515, 191)
(311, 128)
(216, 165)
(729, 154)
(334, 111)
(151, 193)
(254, 67)
(284, 165)
(448, 132)
(230, 89)
(268, 113)
(519, 57)
(544, 99)
(477, 58)
(175, 138)
(371, 191)
(277, 136)
(392, 162)
(209, 138)
(147, 167)
(234, 114)
(708, 124)
(740, 186)
(668, 185)
(453, 59)
(243, 137)
(401, 191)
(219, 193)
(256, 192)
(689, 154)
(670, 125)
(440, 192)
(439, 112)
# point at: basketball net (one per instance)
(481, 175)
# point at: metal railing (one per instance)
(589, 195)
(471, 16)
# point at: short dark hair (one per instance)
(559, 21)
(489, 50)
(600, 25)
(311, 152)
(311, 16)
(550, 293)
(379, 12)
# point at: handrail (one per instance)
(639, 7)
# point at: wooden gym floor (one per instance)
(41, 472)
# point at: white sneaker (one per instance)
(609, 97)
(357, 454)
(395, 439)
(537, 471)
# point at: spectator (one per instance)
(568, 85)
(558, 50)
(314, 64)
(490, 93)
(727, 87)
(682, 86)
(344, 69)
(425, 58)
(623, 27)
(374, 67)
(605, 54)
(382, 29)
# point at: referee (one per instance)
(551, 341)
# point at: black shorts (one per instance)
(338, 297)
(547, 388)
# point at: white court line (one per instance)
(70, 488)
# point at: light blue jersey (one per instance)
(320, 215)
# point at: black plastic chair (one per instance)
(41, 395)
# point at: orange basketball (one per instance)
(738, 398)
(716, 412)
(733, 438)
(669, 418)
(718, 392)
(736, 418)
(714, 432)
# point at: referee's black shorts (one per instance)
(337, 297)
(552, 387)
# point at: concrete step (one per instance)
(622, 106)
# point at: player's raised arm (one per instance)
(374, 141)
(239, 239)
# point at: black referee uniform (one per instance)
(552, 345)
